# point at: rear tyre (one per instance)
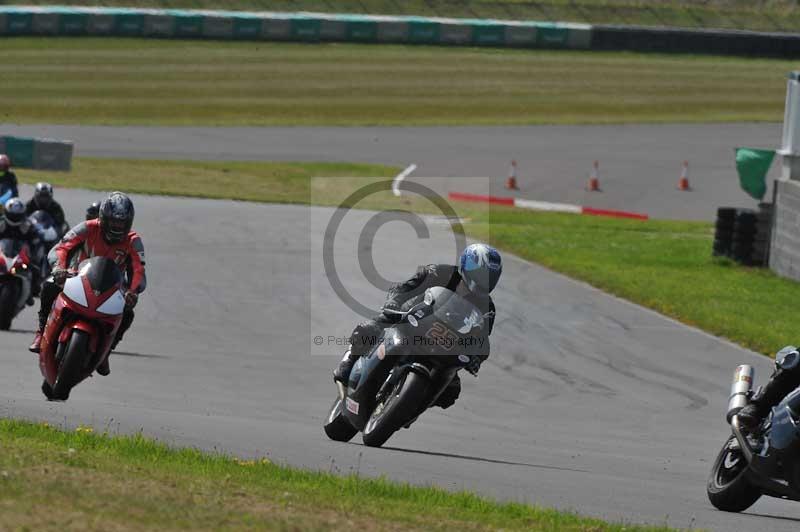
(8, 305)
(400, 407)
(72, 366)
(337, 427)
(728, 488)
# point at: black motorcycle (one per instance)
(409, 368)
(764, 461)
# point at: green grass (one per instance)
(274, 182)
(772, 15)
(78, 480)
(118, 81)
(663, 265)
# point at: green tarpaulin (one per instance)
(753, 165)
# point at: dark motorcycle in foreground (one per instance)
(408, 369)
(81, 327)
(764, 461)
(15, 280)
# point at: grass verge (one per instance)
(769, 15)
(83, 481)
(274, 182)
(663, 265)
(151, 82)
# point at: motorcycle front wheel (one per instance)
(72, 365)
(337, 427)
(400, 406)
(728, 488)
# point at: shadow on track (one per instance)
(479, 459)
(768, 516)
(22, 331)
(136, 355)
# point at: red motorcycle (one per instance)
(81, 326)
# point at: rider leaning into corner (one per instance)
(108, 236)
(784, 380)
(474, 278)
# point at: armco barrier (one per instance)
(38, 154)
(323, 27)
(304, 27)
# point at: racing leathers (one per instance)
(402, 297)
(84, 241)
(26, 232)
(53, 208)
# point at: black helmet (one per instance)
(14, 211)
(480, 268)
(116, 217)
(43, 195)
(93, 210)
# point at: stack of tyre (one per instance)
(743, 234)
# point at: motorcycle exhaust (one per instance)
(740, 389)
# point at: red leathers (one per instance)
(87, 238)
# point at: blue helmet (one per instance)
(480, 268)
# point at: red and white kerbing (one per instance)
(544, 206)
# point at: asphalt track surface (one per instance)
(587, 403)
(639, 164)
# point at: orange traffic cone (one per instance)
(593, 185)
(511, 182)
(683, 182)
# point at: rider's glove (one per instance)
(60, 276)
(474, 365)
(131, 298)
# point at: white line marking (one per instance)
(399, 178)
(546, 206)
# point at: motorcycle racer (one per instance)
(109, 236)
(783, 381)
(474, 278)
(15, 225)
(8, 180)
(43, 200)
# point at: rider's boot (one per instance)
(779, 386)
(36, 346)
(47, 297)
(449, 395)
(342, 371)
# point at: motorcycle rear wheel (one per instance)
(400, 407)
(337, 427)
(8, 305)
(72, 365)
(728, 488)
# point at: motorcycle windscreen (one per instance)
(456, 312)
(103, 274)
(10, 247)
